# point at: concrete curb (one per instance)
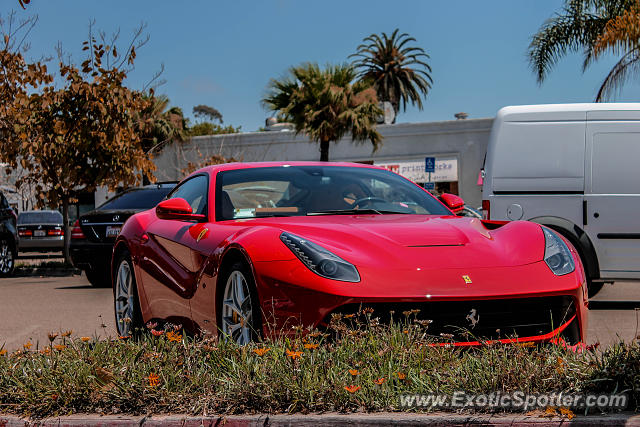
(47, 272)
(325, 420)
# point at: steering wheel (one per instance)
(368, 200)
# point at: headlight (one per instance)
(319, 260)
(556, 254)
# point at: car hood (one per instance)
(403, 241)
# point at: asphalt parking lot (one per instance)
(31, 307)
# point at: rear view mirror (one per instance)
(177, 208)
(453, 202)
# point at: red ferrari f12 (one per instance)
(236, 247)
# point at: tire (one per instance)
(125, 297)
(8, 254)
(594, 287)
(239, 314)
(98, 277)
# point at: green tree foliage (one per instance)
(326, 104)
(160, 124)
(208, 128)
(398, 71)
(578, 28)
(205, 112)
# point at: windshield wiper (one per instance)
(355, 212)
(346, 212)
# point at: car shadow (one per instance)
(614, 305)
(78, 287)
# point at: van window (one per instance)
(614, 164)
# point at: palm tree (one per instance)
(578, 28)
(398, 71)
(326, 104)
(160, 124)
(622, 36)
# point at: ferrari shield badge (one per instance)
(203, 233)
(467, 279)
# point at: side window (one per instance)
(194, 191)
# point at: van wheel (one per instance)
(594, 287)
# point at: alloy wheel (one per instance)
(124, 298)
(6, 257)
(237, 310)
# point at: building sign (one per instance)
(446, 169)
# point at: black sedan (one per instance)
(94, 233)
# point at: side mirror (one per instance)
(453, 202)
(177, 208)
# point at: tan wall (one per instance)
(466, 139)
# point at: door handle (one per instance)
(596, 214)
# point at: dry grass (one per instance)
(361, 367)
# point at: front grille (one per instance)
(471, 320)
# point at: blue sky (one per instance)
(224, 53)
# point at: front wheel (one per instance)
(7, 257)
(239, 317)
(125, 292)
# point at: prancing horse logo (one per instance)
(467, 279)
(202, 234)
(473, 317)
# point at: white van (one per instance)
(574, 168)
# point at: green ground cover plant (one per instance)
(355, 365)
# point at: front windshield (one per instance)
(318, 190)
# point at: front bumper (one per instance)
(525, 300)
(89, 255)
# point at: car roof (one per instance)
(249, 165)
(567, 112)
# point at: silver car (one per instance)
(40, 231)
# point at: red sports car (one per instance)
(245, 249)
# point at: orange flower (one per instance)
(67, 333)
(567, 412)
(294, 354)
(311, 346)
(85, 339)
(27, 346)
(54, 396)
(354, 372)
(154, 380)
(406, 331)
(352, 388)
(59, 347)
(526, 344)
(261, 351)
(401, 375)
(3, 352)
(52, 336)
(379, 381)
(46, 350)
(349, 316)
(156, 333)
(174, 336)
(123, 338)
